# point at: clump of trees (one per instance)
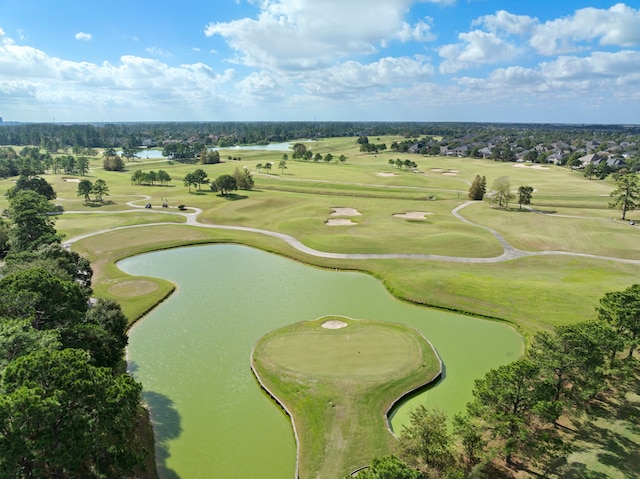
(209, 157)
(197, 178)
(66, 408)
(112, 161)
(367, 147)
(151, 177)
(515, 411)
(407, 164)
(100, 189)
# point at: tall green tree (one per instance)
(49, 301)
(190, 180)
(626, 196)
(511, 402)
(56, 260)
(282, 165)
(244, 178)
(62, 417)
(163, 177)
(85, 188)
(621, 309)
(19, 338)
(33, 183)
(426, 443)
(389, 467)
(201, 178)
(224, 184)
(478, 188)
(500, 193)
(32, 223)
(100, 189)
(573, 358)
(524, 195)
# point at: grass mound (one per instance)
(339, 383)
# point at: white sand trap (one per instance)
(449, 173)
(386, 174)
(413, 215)
(437, 169)
(72, 180)
(345, 212)
(334, 324)
(535, 167)
(340, 223)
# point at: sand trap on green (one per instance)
(338, 378)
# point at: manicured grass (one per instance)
(338, 384)
(532, 293)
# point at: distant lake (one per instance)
(284, 146)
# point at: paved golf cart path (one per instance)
(191, 215)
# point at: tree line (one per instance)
(517, 412)
(66, 407)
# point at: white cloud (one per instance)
(84, 37)
(504, 21)
(262, 85)
(570, 77)
(296, 35)
(157, 51)
(354, 78)
(420, 32)
(619, 26)
(27, 72)
(476, 47)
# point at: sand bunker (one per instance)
(449, 173)
(437, 170)
(413, 215)
(72, 180)
(386, 174)
(535, 167)
(334, 324)
(345, 212)
(340, 223)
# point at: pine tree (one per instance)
(478, 188)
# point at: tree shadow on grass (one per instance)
(166, 427)
(234, 197)
(611, 435)
(98, 204)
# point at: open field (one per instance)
(299, 200)
(339, 384)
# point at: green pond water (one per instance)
(192, 353)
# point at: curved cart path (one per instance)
(509, 252)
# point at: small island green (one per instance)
(338, 378)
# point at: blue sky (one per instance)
(560, 61)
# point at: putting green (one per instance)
(338, 378)
(372, 352)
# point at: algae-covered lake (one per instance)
(192, 353)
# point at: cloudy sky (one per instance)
(549, 61)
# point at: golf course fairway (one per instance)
(338, 378)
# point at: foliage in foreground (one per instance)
(65, 409)
(513, 420)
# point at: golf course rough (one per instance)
(338, 378)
